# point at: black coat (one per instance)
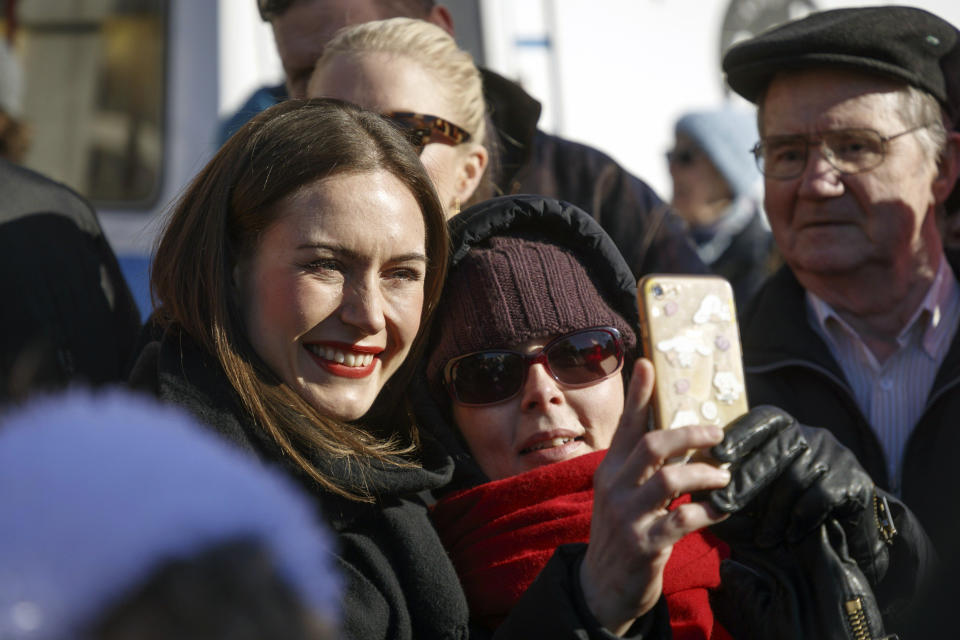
(788, 365)
(67, 314)
(649, 236)
(567, 225)
(400, 583)
(748, 260)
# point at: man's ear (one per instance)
(441, 17)
(948, 169)
(471, 172)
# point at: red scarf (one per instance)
(501, 534)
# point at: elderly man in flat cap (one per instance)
(858, 332)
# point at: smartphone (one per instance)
(688, 326)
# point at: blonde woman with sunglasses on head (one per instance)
(413, 72)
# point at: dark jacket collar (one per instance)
(776, 332)
(774, 328)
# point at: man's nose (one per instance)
(820, 177)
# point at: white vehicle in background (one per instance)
(125, 97)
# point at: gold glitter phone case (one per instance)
(688, 325)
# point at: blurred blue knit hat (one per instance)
(98, 491)
(726, 136)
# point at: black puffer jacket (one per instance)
(567, 225)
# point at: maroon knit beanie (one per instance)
(513, 290)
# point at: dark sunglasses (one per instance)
(423, 129)
(575, 359)
(681, 157)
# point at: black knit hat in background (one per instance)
(512, 290)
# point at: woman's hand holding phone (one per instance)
(632, 533)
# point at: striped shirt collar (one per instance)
(929, 322)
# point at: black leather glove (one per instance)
(787, 480)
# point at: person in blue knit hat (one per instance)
(124, 519)
(717, 191)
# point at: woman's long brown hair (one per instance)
(219, 220)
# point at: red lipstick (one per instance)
(343, 370)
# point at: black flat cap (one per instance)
(902, 43)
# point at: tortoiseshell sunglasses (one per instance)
(422, 129)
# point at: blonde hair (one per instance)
(458, 79)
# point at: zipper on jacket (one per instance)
(883, 518)
(857, 619)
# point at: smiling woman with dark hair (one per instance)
(292, 280)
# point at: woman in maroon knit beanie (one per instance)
(533, 385)
(530, 360)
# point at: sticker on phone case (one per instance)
(709, 410)
(728, 388)
(684, 418)
(711, 309)
(684, 346)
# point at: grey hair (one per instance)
(917, 107)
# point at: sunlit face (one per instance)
(823, 221)
(384, 82)
(700, 193)
(333, 292)
(545, 423)
(305, 29)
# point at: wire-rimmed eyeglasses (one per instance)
(849, 151)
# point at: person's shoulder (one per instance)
(27, 192)
(16, 178)
(261, 99)
(581, 161)
(571, 148)
(778, 303)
